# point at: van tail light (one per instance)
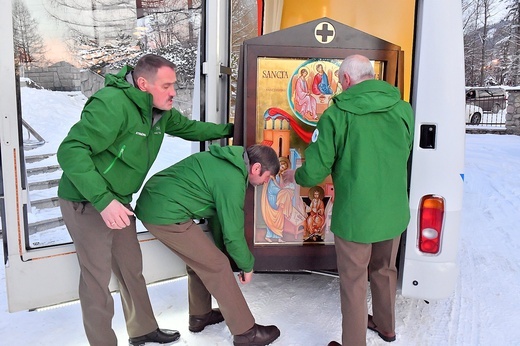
(431, 216)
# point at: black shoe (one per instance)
(159, 336)
(334, 343)
(258, 335)
(199, 322)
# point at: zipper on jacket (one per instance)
(202, 209)
(115, 159)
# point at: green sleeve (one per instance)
(319, 155)
(93, 133)
(194, 130)
(229, 203)
(216, 231)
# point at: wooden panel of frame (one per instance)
(287, 80)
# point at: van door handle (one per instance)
(428, 134)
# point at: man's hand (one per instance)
(245, 278)
(116, 215)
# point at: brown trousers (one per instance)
(209, 273)
(356, 262)
(100, 252)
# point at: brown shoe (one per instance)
(199, 322)
(388, 337)
(258, 335)
(334, 343)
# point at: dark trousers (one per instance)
(209, 274)
(100, 252)
(357, 262)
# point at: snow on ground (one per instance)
(483, 309)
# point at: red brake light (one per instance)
(431, 216)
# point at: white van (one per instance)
(43, 276)
(490, 99)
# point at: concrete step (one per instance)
(42, 170)
(41, 185)
(36, 158)
(47, 200)
(45, 225)
(44, 203)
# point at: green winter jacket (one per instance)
(108, 152)
(210, 185)
(364, 140)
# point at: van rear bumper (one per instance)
(429, 280)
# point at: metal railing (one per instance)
(28, 142)
(489, 112)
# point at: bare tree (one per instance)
(485, 9)
(513, 43)
(486, 48)
(172, 29)
(244, 26)
(100, 32)
(108, 33)
(477, 25)
(170, 22)
(28, 43)
(471, 39)
(96, 22)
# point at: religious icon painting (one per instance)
(287, 80)
(293, 94)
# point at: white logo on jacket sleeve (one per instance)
(315, 135)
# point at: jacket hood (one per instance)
(142, 99)
(119, 80)
(359, 99)
(233, 154)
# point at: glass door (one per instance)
(55, 55)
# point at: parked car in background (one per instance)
(490, 99)
(473, 114)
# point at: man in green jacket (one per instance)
(364, 140)
(105, 158)
(211, 185)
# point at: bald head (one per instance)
(355, 69)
